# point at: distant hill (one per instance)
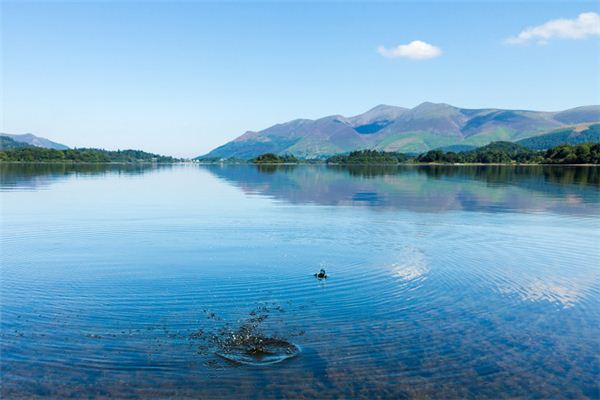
(396, 129)
(578, 115)
(571, 135)
(507, 147)
(7, 143)
(36, 141)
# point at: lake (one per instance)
(190, 281)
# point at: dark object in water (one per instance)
(259, 351)
(321, 274)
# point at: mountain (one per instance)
(578, 134)
(578, 115)
(36, 141)
(7, 143)
(425, 127)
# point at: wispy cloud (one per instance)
(415, 50)
(585, 25)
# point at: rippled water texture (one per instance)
(175, 282)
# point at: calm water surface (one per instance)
(444, 282)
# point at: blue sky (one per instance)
(180, 78)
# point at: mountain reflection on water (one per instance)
(433, 188)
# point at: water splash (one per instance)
(248, 344)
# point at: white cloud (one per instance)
(586, 24)
(415, 50)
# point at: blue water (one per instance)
(444, 282)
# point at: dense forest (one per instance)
(368, 157)
(586, 153)
(496, 152)
(39, 154)
(493, 153)
(270, 158)
(507, 152)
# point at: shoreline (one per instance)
(298, 164)
(403, 164)
(96, 163)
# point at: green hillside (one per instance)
(570, 135)
(7, 143)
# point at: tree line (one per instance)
(494, 153)
(271, 158)
(39, 154)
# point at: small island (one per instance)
(270, 158)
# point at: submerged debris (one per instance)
(321, 274)
(94, 336)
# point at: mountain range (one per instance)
(425, 127)
(390, 128)
(31, 140)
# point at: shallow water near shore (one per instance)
(189, 281)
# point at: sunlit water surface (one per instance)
(444, 282)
